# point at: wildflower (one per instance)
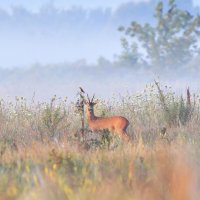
(54, 166)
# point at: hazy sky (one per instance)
(53, 37)
(196, 2)
(36, 4)
(49, 36)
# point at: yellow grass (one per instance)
(43, 155)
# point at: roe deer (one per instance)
(115, 124)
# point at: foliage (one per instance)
(176, 111)
(171, 42)
(150, 167)
(138, 172)
(80, 108)
(130, 55)
(52, 116)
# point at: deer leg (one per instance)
(124, 136)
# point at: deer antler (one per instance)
(88, 98)
(92, 98)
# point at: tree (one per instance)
(173, 40)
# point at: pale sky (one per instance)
(47, 44)
(196, 2)
(36, 4)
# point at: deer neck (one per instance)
(90, 115)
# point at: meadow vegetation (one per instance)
(43, 154)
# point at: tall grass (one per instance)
(43, 154)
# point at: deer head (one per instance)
(90, 103)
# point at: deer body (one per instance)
(115, 124)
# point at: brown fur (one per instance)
(115, 124)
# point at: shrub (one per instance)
(176, 111)
(52, 117)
